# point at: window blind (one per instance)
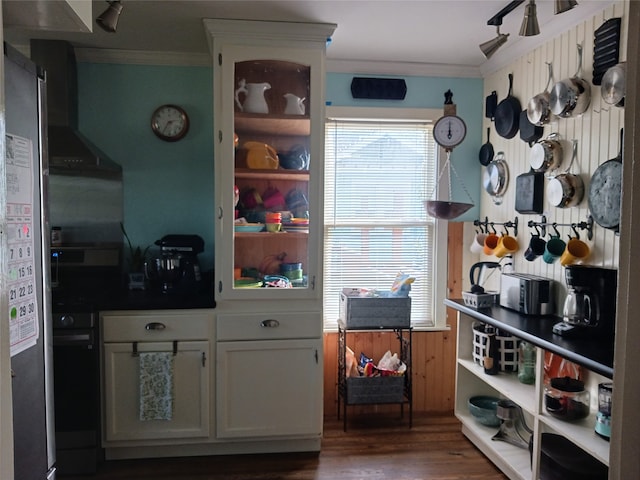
(377, 175)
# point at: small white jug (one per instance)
(254, 101)
(295, 105)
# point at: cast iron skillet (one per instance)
(605, 191)
(508, 114)
(486, 151)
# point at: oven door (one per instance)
(77, 400)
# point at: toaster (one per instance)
(526, 293)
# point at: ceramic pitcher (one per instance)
(254, 101)
(295, 104)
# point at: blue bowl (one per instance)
(484, 408)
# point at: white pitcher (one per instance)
(295, 104)
(254, 101)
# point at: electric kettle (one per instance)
(480, 268)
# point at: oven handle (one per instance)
(76, 339)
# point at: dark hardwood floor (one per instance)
(373, 448)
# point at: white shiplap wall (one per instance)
(597, 132)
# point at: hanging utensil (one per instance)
(486, 151)
(496, 178)
(547, 154)
(566, 189)
(613, 85)
(605, 192)
(571, 96)
(507, 114)
(538, 108)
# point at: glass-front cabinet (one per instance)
(269, 142)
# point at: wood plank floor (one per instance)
(373, 448)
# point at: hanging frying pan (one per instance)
(486, 151)
(605, 192)
(507, 115)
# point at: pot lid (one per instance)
(613, 84)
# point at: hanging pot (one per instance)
(605, 192)
(571, 97)
(546, 154)
(566, 189)
(529, 132)
(486, 151)
(613, 85)
(496, 178)
(507, 116)
(538, 108)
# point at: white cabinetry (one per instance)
(471, 380)
(269, 375)
(183, 334)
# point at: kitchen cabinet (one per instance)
(183, 335)
(256, 67)
(471, 380)
(269, 375)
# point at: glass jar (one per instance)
(566, 398)
(526, 363)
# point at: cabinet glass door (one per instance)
(273, 175)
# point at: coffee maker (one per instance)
(590, 305)
(176, 270)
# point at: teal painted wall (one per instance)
(168, 187)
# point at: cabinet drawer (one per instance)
(269, 326)
(156, 326)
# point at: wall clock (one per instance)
(170, 122)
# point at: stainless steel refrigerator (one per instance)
(28, 269)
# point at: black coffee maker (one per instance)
(176, 270)
(590, 306)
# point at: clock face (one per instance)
(170, 122)
(449, 131)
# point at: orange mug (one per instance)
(575, 251)
(490, 243)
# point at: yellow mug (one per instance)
(575, 251)
(506, 246)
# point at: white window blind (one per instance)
(377, 175)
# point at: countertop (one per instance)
(591, 353)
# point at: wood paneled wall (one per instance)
(597, 132)
(433, 353)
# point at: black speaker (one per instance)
(378, 88)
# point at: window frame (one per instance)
(429, 115)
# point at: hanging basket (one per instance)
(446, 210)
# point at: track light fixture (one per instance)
(562, 6)
(491, 46)
(530, 26)
(108, 21)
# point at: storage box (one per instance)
(369, 390)
(373, 312)
(507, 347)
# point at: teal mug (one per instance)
(553, 249)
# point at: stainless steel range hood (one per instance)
(70, 153)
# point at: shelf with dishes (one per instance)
(262, 174)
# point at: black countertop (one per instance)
(592, 353)
(152, 300)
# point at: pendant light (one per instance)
(530, 26)
(491, 46)
(108, 21)
(562, 6)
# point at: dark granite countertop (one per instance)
(591, 353)
(152, 300)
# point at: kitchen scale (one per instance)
(449, 131)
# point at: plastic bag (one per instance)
(402, 285)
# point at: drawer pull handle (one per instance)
(270, 323)
(155, 326)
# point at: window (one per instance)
(380, 165)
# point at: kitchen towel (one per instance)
(156, 386)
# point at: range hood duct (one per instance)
(70, 152)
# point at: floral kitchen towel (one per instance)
(156, 386)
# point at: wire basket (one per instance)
(507, 347)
